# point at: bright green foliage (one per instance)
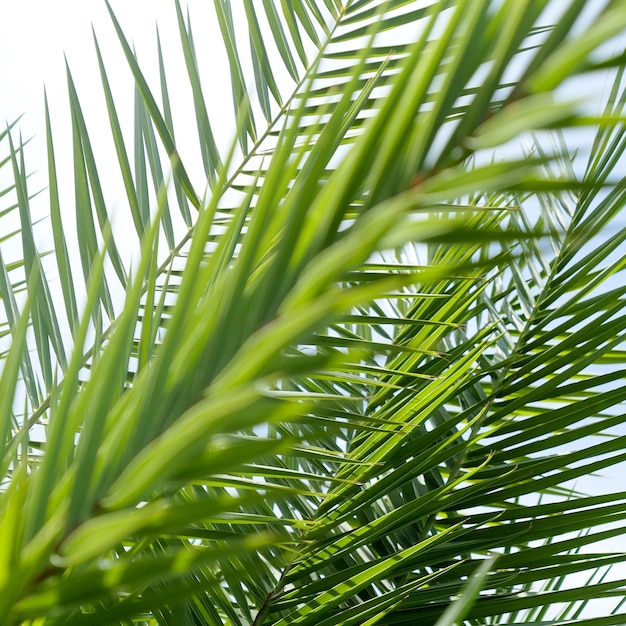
(386, 345)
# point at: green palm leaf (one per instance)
(377, 348)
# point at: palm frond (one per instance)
(376, 349)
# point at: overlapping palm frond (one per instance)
(377, 349)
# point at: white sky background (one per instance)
(35, 34)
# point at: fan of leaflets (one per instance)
(373, 351)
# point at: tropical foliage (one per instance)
(373, 351)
